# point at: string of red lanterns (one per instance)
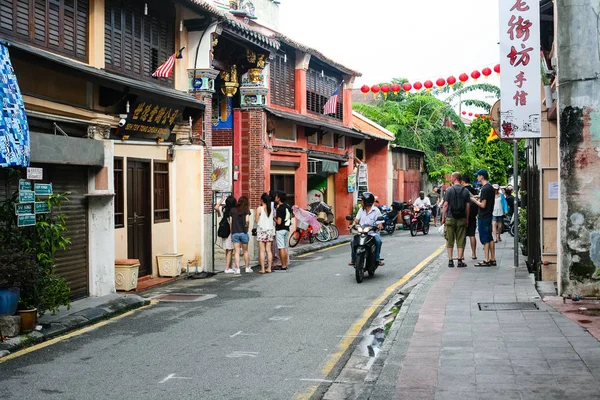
(471, 114)
(440, 82)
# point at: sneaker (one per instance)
(237, 271)
(229, 271)
(248, 270)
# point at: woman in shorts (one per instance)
(265, 232)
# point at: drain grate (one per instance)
(184, 297)
(507, 306)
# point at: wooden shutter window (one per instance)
(283, 81)
(57, 25)
(319, 89)
(137, 44)
(161, 192)
(119, 191)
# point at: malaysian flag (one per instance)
(166, 69)
(331, 105)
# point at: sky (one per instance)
(385, 39)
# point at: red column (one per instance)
(300, 91)
(347, 107)
(237, 152)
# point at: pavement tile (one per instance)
(494, 370)
(576, 380)
(498, 394)
(414, 394)
(491, 355)
(536, 381)
(456, 394)
(542, 394)
(496, 378)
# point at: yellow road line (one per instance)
(355, 329)
(322, 250)
(72, 334)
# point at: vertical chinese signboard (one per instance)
(520, 80)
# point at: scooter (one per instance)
(365, 249)
(389, 219)
(508, 225)
(417, 223)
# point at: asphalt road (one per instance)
(259, 337)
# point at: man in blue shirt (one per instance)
(368, 215)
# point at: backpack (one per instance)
(458, 207)
(224, 229)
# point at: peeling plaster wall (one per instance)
(579, 104)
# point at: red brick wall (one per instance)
(222, 137)
(253, 160)
(197, 127)
(377, 161)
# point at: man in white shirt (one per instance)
(421, 202)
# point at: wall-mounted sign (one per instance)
(41, 207)
(26, 220)
(26, 196)
(151, 119)
(25, 184)
(43, 189)
(21, 209)
(521, 101)
(36, 174)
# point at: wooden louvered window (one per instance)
(57, 25)
(319, 87)
(161, 192)
(283, 80)
(136, 44)
(119, 192)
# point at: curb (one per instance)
(73, 322)
(319, 246)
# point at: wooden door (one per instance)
(284, 183)
(139, 243)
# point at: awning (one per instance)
(104, 77)
(330, 167)
(305, 120)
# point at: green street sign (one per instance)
(24, 184)
(41, 207)
(21, 209)
(26, 220)
(42, 189)
(26, 196)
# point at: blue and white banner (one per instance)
(14, 131)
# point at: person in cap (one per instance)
(485, 202)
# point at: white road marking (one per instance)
(279, 307)
(280, 318)
(342, 336)
(241, 333)
(239, 354)
(317, 380)
(235, 334)
(172, 376)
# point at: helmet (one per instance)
(368, 199)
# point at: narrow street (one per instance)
(260, 337)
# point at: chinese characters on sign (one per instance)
(151, 119)
(521, 102)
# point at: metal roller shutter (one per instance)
(72, 264)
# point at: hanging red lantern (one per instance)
(451, 80)
(418, 86)
(440, 82)
(365, 89)
(475, 75)
(486, 72)
(375, 89)
(464, 113)
(476, 115)
(470, 114)
(428, 85)
(407, 86)
(395, 88)
(484, 117)
(385, 89)
(463, 78)
(497, 69)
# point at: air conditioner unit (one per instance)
(312, 167)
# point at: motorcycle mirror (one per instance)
(348, 217)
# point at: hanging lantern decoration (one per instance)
(475, 75)
(385, 89)
(464, 113)
(451, 80)
(463, 78)
(476, 115)
(484, 117)
(440, 82)
(418, 86)
(486, 72)
(365, 89)
(470, 114)
(428, 85)
(407, 86)
(375, 89)
(497, 69)
(395, 88)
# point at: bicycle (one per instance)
(302, 233)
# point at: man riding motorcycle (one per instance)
(368, 215)
(424, 201)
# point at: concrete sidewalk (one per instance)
(443, 346)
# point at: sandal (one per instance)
(261, 272)
(461, 263)
(493, 263)
(380, 263)
(474, 258)
(352, 263)
(451, 264)
(268, 271)
(483, 264)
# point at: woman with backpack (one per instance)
(224, 231)
(240, 220)
(265, 232)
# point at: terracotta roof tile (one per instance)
(370, 128)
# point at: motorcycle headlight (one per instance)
(359, 229)
(367, 229)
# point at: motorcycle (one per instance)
(389, 218)
(417, 223)
(509, 225)
(406, 214)
(365, 249)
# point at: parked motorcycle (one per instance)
(508, 225)
(365, 250)
(417, 223)
(406, 214)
